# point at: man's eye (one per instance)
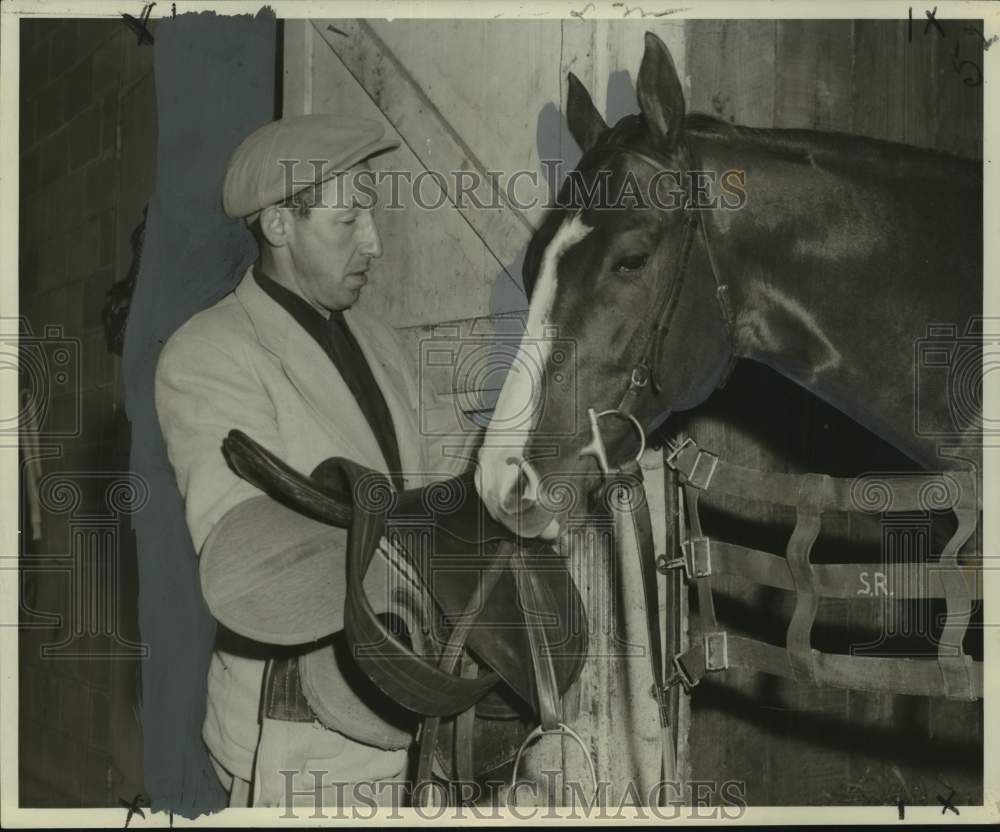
(631, 264)
(349, 220)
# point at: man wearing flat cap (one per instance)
(288, 360)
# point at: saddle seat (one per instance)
(487, 591)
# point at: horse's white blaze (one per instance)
(518, 406)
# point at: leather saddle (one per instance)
(507, 604)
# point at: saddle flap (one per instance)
(261, 468)
(449, 538)
(451, 542)
(498, 626)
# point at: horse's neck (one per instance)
(835, 275)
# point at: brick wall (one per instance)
(87, 150)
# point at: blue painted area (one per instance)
(214, 79)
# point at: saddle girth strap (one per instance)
(450, 656)
(529, 593)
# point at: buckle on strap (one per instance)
(715, 647)
(695, 559)
(641, 374)
(696, 465)
(680, 676)
(716, 651)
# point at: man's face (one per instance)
(331, 248)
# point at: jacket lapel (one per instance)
(313, 375)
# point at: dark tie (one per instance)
(354, 368)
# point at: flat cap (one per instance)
(287, 155)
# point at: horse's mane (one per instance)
(833, 149)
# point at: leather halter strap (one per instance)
(645, 373)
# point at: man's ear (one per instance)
(274, 225)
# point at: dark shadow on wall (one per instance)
(215, 83)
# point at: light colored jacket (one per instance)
(245, 363)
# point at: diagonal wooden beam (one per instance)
(504, 231)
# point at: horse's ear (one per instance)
(661, 98)
(585, 123)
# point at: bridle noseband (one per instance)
(644, 374)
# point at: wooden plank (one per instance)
(471, 77)
(921, 60)
(813, 74)
(434, 268)
(879, 73)
(959, 59)
(704, 66)
(431, 139)
(731, 67)
(297, 75)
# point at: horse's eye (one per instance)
(631, 264)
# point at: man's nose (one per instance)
(371, 244)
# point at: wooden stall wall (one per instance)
(793, 744)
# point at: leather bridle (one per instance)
(633, 522)
(644, 374)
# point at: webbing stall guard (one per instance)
(953, 674)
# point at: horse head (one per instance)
(623, 313)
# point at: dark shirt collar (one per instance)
(335, 338)
(294, 303)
